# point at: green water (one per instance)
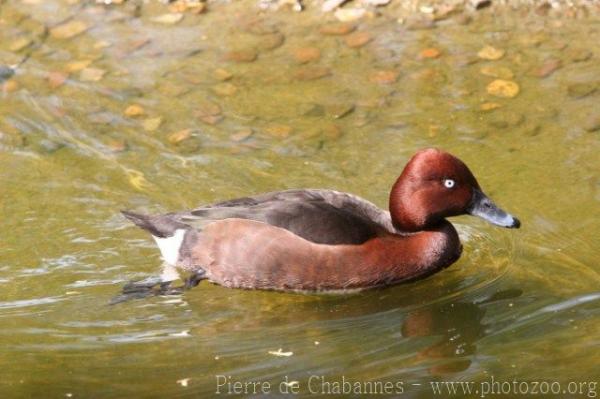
(518, 305)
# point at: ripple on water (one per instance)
(71, 262)
(94, 283)
(24, 303)
(554, 310)
(111, 323)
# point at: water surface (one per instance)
(225, 108)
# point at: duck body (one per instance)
(336, 242)
(324, 240)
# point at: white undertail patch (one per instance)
(169, 273)
(170, 246)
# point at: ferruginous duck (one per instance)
(323, 240)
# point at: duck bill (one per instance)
(482, 206)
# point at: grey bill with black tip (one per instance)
(484, 207)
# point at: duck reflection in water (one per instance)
(459, 326)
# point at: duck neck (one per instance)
(440, 246)
(405, 213)
(395, 258)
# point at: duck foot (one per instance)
(152, 286)
(128, 297)
(194, 279)
(143, 286)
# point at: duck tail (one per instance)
(162, 226)
(168, 233)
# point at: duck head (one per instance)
(435, 185)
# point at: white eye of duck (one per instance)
(449, 183)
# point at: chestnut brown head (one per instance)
(435, 185)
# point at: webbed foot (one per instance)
(142, 286)
(152, 286)
(194, 279)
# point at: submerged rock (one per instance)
(311, 73)
(208, 108)
(531, 128)
(304, 55)
(20, 44)
(209, 112)
(420, 23)
(444, 11)
(6, 73)
(489, 106)
(592, 124)
(332, 132)
(91, 74)
(9, 86)
(271, 41)
(225, 89)
(336, 29)
(168, 19)
(247, 55)
(222, 74)
(279, 131)
(194, 7)
(256, 25)
(430, 52)
(56, 79)
(547, 68)
(134, 110)
(77, 66)
(503, 88)
(377, 3)
(171, 89)
(349, 14)
(385, 77)
(241, 135)
(580, 90)
(337, 111)
(152, 124)
(578, 55)
(481, 4)
(330, 5)
(490, 53)
(117, 145)
(314, 110)
(358, 39)
(46, 146)
(180, 136)
(69, 29)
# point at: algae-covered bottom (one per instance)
(156, 108)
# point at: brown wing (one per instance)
(319, 216)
